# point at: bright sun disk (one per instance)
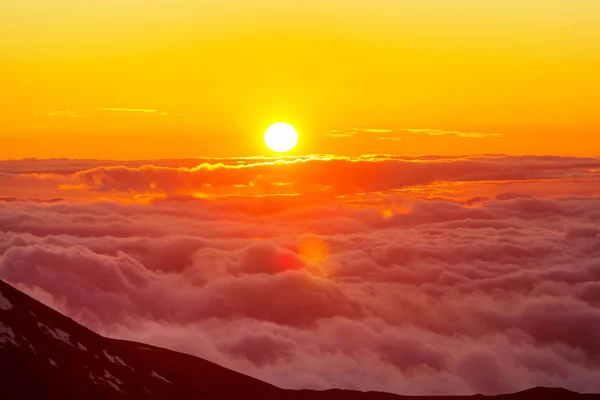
(281, 137)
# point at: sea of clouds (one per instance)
(375, 273)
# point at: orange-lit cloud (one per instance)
(316, 176)
(334, 175)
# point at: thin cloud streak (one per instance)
(375, 130)
(337, 133)
(61, 113)
(398, 135)
(441, 132)
(138, 110)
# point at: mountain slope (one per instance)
(44, 354)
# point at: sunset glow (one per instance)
(377, 195)
(178, 78)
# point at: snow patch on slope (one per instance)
(5, 305)
(115, 359)
(113, 381)
(24, 339)
(56, 333)
(7, 335)
(92, 377)
(155, 374)
(81, 347)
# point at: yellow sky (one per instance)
(158, 78)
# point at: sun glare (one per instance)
(281, 137)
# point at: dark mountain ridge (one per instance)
(46, 355)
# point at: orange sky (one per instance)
(142, 79)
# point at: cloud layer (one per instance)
(374, 290)
(317, 175)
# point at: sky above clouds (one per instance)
(181, 78)
(430, 275)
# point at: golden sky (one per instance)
(157, 78)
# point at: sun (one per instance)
(281, 137)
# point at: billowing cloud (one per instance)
(372, 291)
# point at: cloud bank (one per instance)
(316, 175)
(359, 287)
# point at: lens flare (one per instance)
(313, 249)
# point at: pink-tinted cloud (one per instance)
(436, 297)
